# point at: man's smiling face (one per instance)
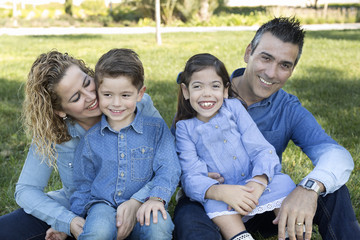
(268, 67)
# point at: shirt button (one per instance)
(225, 140)
(121, 136)
(143, 150)
(234, 157)
(122, 155)
(122, 174)
(216, 126)
(119, 193)
(270, 151)
(243, 174)
(70, 165)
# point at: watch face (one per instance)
(309, 183)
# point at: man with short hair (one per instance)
(321, 198)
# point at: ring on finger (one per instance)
(299, 224)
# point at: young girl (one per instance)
(216, 134)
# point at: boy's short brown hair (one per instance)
(120, 62)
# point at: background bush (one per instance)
(173, 13)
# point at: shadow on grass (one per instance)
(353, 35)
(332, 99)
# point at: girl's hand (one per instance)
(76, 226)
(52, 234)
(126, 217)
(145, 210)
(240, 198)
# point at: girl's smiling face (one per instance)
(206, 93)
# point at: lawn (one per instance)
(326, 81)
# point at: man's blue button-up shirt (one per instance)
(282, 118)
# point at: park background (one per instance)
(326, 79)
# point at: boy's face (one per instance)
(117, 100)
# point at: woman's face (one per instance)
(78, 97)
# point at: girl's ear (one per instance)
(185, 91)
(226, 91)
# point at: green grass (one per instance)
(326, 81)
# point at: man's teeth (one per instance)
(92, 105)
(262, 80)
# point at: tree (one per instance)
(68, 7)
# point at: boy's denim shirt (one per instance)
(114, 166)
(53, 207)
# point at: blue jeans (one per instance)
(22, 226)
(335, 218)
(101, 224)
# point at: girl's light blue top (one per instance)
(53, 207)
(229, 144)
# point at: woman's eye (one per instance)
(76, 98)
(87, 82)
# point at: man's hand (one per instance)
(239, 197)
(216, 176)
(126, 217)
(299, 207)
(76, 226)
(145, 210)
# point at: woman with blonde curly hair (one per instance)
(60, 106)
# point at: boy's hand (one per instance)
(126, 217)
(52, 234)
(145, 210)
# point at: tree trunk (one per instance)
(204, 10)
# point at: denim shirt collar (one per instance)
(74, 129)
(263, 103)
(137, 124)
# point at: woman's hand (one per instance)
(126, 217)
(52, 234)
(145, 210)
(76, 226)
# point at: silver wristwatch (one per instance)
(310, 184)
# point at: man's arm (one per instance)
(333, 163)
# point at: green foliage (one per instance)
(173, 13)
(326, 81)
(68, 7)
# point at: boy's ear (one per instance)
(60, 114)
(141, 93)
(247, 53)
(185, 91)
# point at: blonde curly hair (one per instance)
(42, 102)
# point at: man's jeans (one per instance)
(101, 224)
(335, 218)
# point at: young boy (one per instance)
(127, 158)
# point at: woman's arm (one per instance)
(30, 195)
